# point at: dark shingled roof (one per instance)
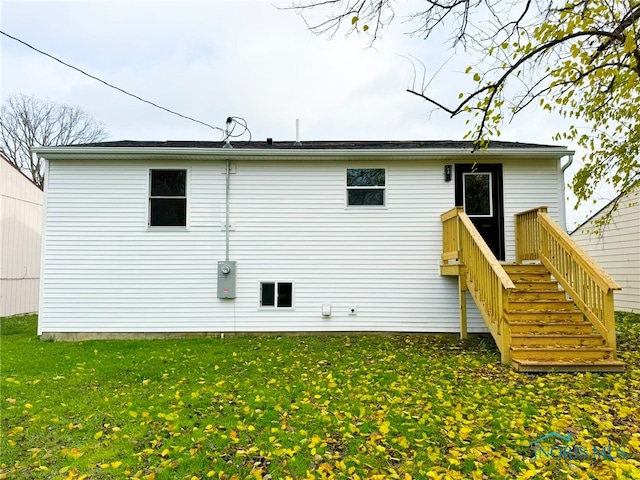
(317, 145)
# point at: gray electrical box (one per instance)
(227, 279)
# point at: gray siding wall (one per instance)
(106, 271)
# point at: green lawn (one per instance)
(392, 406)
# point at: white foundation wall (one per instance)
(106, 271)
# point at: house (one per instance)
(20, 238)
(616, 246)
(177, 238)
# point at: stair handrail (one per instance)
(487, 281)
(590, 287)
(528, 234)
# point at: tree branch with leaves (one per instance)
(579, 59)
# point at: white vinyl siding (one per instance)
(106, 272)
(104, 264)
(20, 240)
(528, 185)
(617, 249)
(377, 260)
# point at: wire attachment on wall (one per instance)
(232, 124)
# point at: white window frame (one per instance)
(275, 286)
(375, 187)
(186, 197)
(464, 192)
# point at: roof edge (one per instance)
(70, 153)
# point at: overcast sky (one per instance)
(213, 59)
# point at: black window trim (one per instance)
(185, 197)
(275, 284)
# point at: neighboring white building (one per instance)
(616, 247)
(20, 239)
(327, 236)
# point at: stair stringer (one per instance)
(500, 330)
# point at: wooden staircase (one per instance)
(547, 331)
(552, 310)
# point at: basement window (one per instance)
(365, 187)
(276, 294)
(168, 198)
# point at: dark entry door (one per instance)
(479, 191)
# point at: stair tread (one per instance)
(542, 366)
(547, 335)
(545, 326)
(561, 315)
(552, 348)
(523, 266)
(527, 290)
(544, 300)
(550, 281)
(584, 361)
(561, 321)
(545, 311)
(547, 331)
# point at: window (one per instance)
(168, 198)
(276, 294)
(365, 186)
(477, 194)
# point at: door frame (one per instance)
(497, 199)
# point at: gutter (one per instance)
(120, 153)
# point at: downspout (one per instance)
(226, 220)
(568, 164)
(227, 229)
(563, 200)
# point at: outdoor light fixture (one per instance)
(447, 173)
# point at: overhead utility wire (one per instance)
(118, 88)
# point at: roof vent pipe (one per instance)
(298, 142)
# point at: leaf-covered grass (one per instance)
(344, 406)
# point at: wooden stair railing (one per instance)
(525, 305)
(479, 272)
(538, 237)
